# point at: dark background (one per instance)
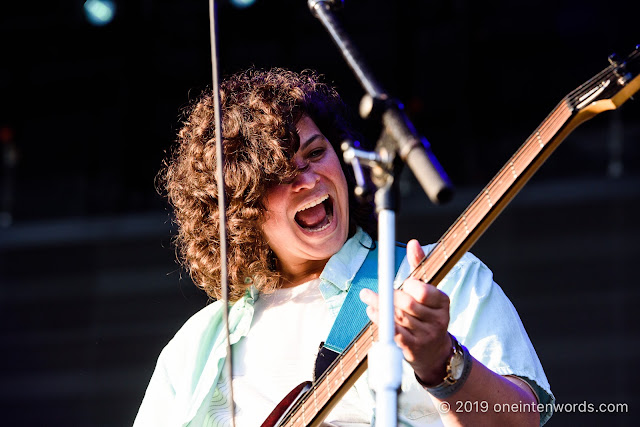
(90, 290)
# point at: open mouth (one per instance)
(316, 215)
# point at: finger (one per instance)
(430, 321)
(408, 322)
(409, 304)
(372, 300)
(425, 294)
(404, 323)
(369, 297)
(404, 338)
(372, 314)
(414, 253)
(401, 317)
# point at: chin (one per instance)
(326, 243)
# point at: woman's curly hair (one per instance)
(259, 112)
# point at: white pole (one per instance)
(385, 360)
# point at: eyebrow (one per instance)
(310, 140)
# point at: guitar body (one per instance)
(309, 403)
(285, 404)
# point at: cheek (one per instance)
(275, 217)
(274, 201)
(336, 171)
(341, 180)
(271, 229)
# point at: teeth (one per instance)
(324, 227)
(314, 203)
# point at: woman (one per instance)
(297, 237)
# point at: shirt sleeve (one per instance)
(486, 322)
(157, 406)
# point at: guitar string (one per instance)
(478, 208)
(526, 148)
(549, 123)
(469, 215)
(531, 144)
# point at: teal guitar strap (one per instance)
(352, 317)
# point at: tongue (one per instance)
(312, 217)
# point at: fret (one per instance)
(539, 139)
(513, 170)
(315, 398)
(486, 192)
(337, 382)
(355, 349)
(451, 240)
(341, 363)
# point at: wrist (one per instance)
(437, 371)
(458, 368)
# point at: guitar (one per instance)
(309, 403)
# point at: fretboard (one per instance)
(490, 202)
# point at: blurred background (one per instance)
(90, 100)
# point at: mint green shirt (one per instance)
(188, 373)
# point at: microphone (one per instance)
(400, 136)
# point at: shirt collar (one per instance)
(343, 266)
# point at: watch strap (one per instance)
(448, 387)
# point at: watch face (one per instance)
(457, 366)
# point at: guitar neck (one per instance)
(492, 200)
(605, 91)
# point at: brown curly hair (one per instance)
(259, 113)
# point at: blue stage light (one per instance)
(99, 12)
(241, 4)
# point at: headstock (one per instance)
(608, 89)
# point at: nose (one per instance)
(306, 178)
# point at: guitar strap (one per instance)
(352, 317)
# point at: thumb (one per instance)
(414, 253)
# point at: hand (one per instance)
(421, 318)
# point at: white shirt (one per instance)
(187, 381)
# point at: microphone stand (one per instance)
(398, 143)
(222, 203)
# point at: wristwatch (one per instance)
(455, 365)
(458, 369)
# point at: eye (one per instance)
(317, 152)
